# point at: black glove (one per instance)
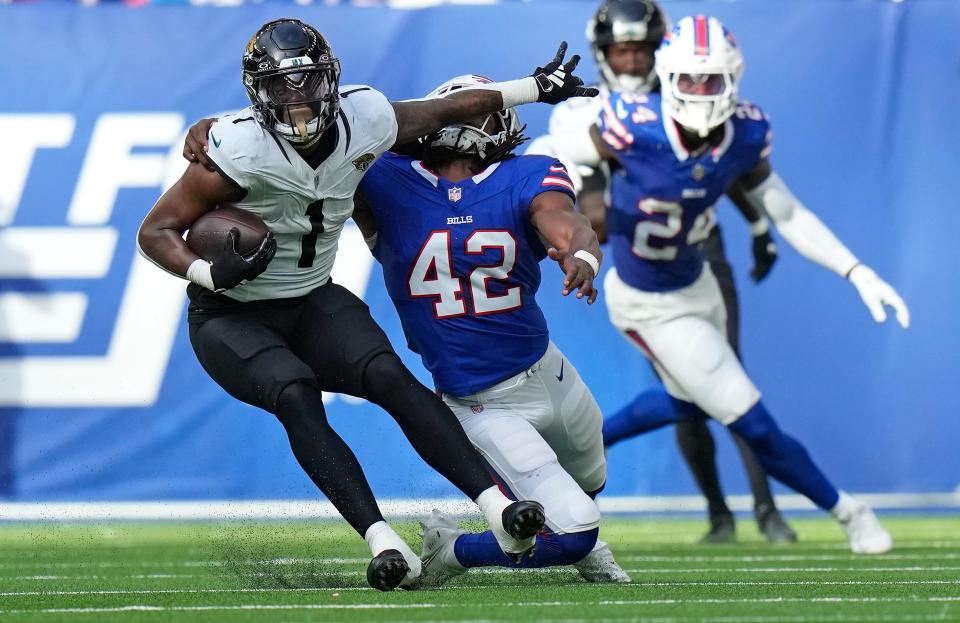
(764, 256)
(556, 82)
(229, 268)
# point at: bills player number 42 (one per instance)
(432, 274)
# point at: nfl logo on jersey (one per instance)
(454, 194)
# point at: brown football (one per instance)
(209, 232)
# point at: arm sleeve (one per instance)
(801, 227)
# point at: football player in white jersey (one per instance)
(270, 327)
(624, 34)
(679, 151)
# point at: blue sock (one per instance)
(784, 458)
(481, 550)
(648, 411)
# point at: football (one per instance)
(207, 234)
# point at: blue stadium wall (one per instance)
(101, 397)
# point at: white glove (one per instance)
(876, 293)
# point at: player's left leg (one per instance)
(769, 521)
(353, 356)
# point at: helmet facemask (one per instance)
(293, 96)
(700, 101)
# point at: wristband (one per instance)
(515, 92)
(199, 273)
(589, 258)
(850, 272)
(759, 227)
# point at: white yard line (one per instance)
(521, 604)
(409, 508)
(196, 591)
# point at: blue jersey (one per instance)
(662, 196)
(461, 263)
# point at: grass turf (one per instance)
(291, 572)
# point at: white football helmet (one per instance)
(699, 65)
(489, 139)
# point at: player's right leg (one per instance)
(248, 356)
(681, 332)
(350, 353)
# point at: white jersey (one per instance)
(569, 136)
(305, 208)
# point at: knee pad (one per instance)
(756, 425)
(383, 373)
(574, 546)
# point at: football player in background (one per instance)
(678, 152)
(624, 34)
(460, 229)
(270, 327)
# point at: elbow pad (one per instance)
(800, 227)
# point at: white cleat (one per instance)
(599, 566)
(439, 562)
(864, 531)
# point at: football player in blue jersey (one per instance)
(624, 34)
(460, 230)
(678, 152)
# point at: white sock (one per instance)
(381, 537)
(492, 502)
(845, 507)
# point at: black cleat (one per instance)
(523, 519)
(773, 526)
(723, 529)
(387, 570)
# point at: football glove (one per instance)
(556, 82)
(764, 256)
(229, 268)
(876, 293)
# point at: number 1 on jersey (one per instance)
(432, 274)
(308, 244)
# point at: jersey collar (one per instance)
(673, 136)
(434, 178)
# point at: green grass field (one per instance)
(314, 572)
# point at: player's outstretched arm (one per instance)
(552, 83)
(573, 244)
(811, 238)
(160, 238)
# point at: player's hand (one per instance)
(577, 275)
(229, 269)
(195, 145)
(764, 256)
(556, 82)
(876, 293)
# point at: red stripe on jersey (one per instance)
(614, 124)
(558, 181)
(558, 169)
(702, 45)
(613, 141)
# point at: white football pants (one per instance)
(683, 332)
(541, 431)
